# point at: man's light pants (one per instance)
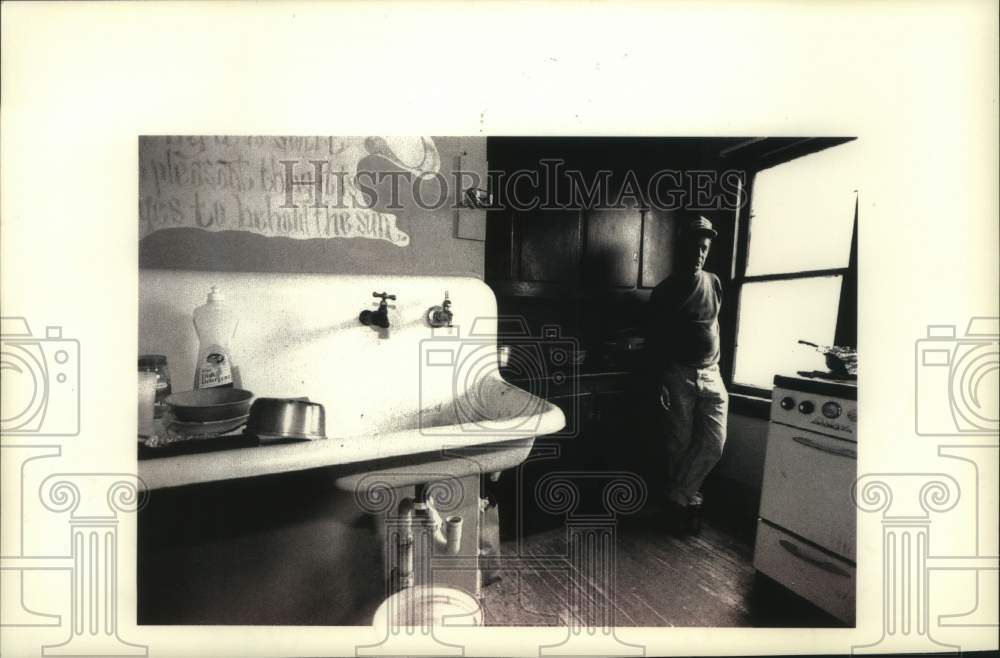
(695, 402)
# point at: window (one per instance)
(798, 266)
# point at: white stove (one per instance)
(825, 407)
(806, 533)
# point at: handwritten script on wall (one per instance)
(293, 187)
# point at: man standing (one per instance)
(684, 342)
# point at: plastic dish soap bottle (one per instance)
(216, 325)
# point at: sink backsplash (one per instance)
(299, 335)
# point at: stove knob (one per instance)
(831, 410)
(852, 415)
(787, 403)
(806, 407)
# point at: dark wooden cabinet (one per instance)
(588, 270)
(659, 229)
(563, 253)
(600, 435)
(613, 243)
(550, 243)
(521, 492)
(499, 267)
(573, 439)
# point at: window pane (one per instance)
(802, 213)
(774, 316)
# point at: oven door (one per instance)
(813, 574)
(808, 479)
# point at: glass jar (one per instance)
(157, 363)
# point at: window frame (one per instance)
(845, 332)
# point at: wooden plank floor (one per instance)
(660, 580)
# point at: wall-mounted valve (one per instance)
(380, 317)
(440, 316)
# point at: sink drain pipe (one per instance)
(418, 514)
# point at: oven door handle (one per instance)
(809, 443)
(825, 565)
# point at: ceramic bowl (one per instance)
(205, 405)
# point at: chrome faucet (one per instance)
(440, 316)
(418, 513)
(380, 317)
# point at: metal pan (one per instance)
(273, 419)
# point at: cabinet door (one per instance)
(499, 256)
(658, 244)
(613, 248)
(550, 243)
(549, 455)
(613, 439)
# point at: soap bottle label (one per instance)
(215, 369)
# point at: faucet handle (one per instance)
(440, 316)
(384, 296)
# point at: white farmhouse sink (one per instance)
(406, 405)
(445, 442)
(486, 430)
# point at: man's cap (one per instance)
(701, 226)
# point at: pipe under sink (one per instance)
(443, 537)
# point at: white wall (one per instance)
(299, 335)
(433, 248)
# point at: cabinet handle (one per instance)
(809, 443)
(825, 565)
